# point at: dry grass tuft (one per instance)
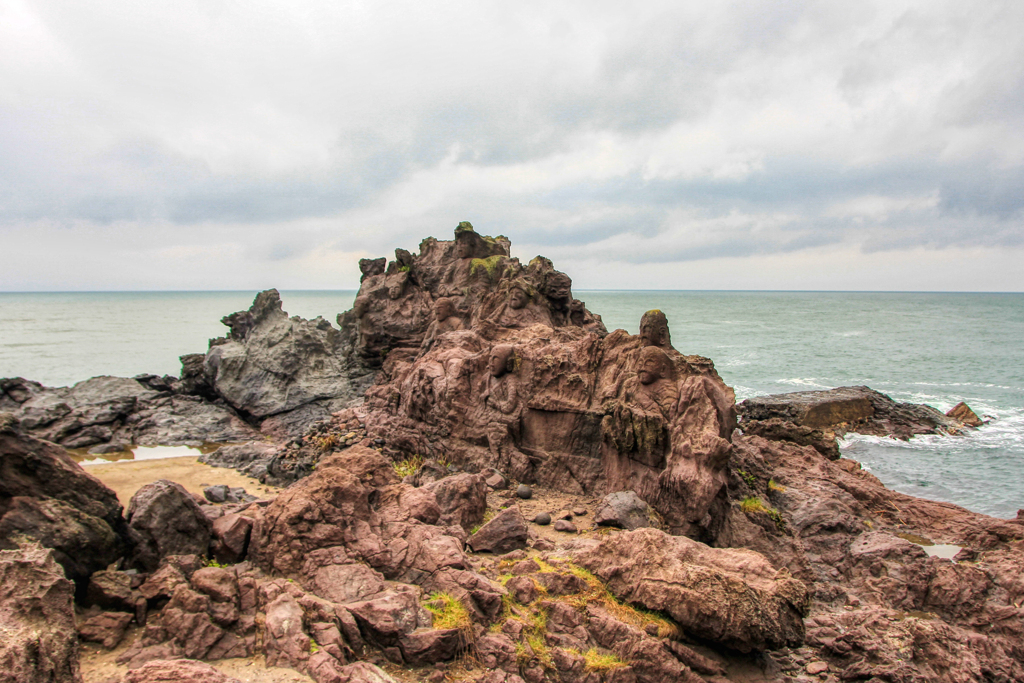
(598, 661)
(409, 466)
(449, 612)
(599, 594)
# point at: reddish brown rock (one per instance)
(46, 496)
(107, 628)
(732, 597)
(111, 590)
(166, 520)
(506, 532)
(37, 619)
(177, 671)
(462, 499)
(623, 509)
(962, 412)
(231, 537)
(285, 642)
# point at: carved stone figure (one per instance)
(654, 330)
(445, 320)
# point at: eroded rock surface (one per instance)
(37, 621)
(851, 409)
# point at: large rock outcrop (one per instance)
(48, 497)
(488, 363)
(37, 620)
(270, 364)
(847, 409)
(123, 411)
(731, 596)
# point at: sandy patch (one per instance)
(100, 665)
(128, 476)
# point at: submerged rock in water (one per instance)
(962, 412)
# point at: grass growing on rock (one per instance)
(409, 466)
(753, 505)
(449, 612)
(596, 660)
(597, 593)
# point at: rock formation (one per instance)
(39, 643)
(46, 496)
(461, 389)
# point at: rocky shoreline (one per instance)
(482, 483)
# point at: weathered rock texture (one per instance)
(48, 497)
(733, 597)
(851, 409)
(165, 519)
(271, 364)
(880, 605)
(489, 363)
(38, 642)
(120, 410)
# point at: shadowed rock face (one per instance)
(48, 497)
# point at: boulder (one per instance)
(962, 412)
(623, 509)
(506, 532)
(106, 628)
(165, 520)
(231, 534)
(733, 597)
(37, 619)
(462, 499)
(111, 590)
(47, 496)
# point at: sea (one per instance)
(934, 348)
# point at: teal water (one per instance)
(923, 347)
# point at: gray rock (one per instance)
(245, 458)
(623, 509)
(543, 519)
(216, 494)
(524, 492)
(271, 363)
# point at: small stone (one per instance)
(524, 492)
(543, 519)
(579, 512)
(565, 525)
(216, 494)
(815, 668)
(563, 514)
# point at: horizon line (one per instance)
(581, 290)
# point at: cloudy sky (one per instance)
(217, 144)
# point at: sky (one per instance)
(658, 145)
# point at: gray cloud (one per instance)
(285, 144)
